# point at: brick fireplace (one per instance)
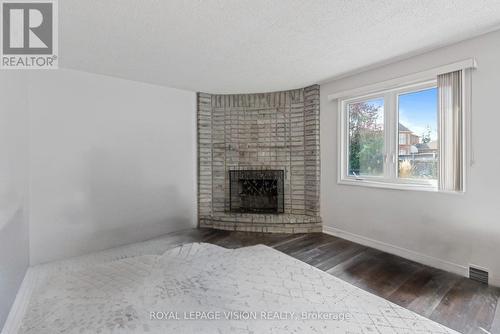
(259, 161)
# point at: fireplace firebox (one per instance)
(256, 191)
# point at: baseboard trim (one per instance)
(18, 308)
(399, 251)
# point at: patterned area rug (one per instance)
(203, 288)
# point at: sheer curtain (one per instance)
(451, 131)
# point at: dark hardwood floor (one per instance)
(452, 300)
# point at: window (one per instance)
(390, 138)
(402, 138)
(411, 132)
(417, 119)
(366, 137)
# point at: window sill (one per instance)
(389, 185)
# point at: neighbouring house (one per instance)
(421, 156)
(409, 143)
(407, 139)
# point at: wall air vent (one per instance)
(479, 275)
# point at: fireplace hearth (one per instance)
(256, 191)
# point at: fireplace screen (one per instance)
(256, 191)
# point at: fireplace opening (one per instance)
(256, 191)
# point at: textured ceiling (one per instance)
(243, 46)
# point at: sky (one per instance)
(418, 110)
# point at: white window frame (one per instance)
(390, 177)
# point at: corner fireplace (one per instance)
(259, 161)
(256, 191)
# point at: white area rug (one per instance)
(202, 288)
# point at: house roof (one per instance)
(422, 146)
(403, 128)
(427, 147)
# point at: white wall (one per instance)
(112, 162)
(14, 238)
(450, 231)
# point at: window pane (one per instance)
(402, 138)
(366, 138)
(418, 150)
